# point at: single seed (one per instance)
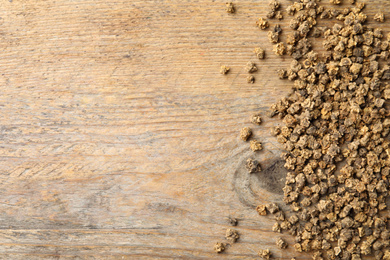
(250, 67)
(232, 235)
(260, 53)
(245, 133)
(379, 17)
(219, 247)
(250, 79)
(224, 70)
(256, 119)
(230, 7)
(262, 210)
(262, 24)
(264, 254)
(253, 166)
(255, 145)
(281, 243)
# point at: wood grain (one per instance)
(119, 137)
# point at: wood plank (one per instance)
(119, 137)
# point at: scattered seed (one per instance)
(262, 24)
(224, 70)
(245, 133)
(256, 118)
(255, 145)
(379, 17)
(232, 235)
(250, 79)
(219, 247)
(230, 7)
(264, 254)
(250, 67)
(253, 166)
(260, 53)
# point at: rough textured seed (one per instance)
(264, 254)
(219, 247)
(260, 53)
(250, 79)
(256, 119)
(271, 14)
(282, 73)
(276, 227)
(274, 5)
(232, 235)
(281, 243)
(250, 67)
(379, 17)
(245, 133)
(279, 49)
(253, 166)
(224, 70)
(255, 145)
(230, 7)
(262, 24)
(386, 256)
(273, 37)
(272, 208)
(279, 15)
(262, 210)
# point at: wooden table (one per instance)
(119, 137)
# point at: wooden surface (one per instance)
(119, 137)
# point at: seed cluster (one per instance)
(335, 132)
(336, 120)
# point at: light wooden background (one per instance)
(119, 137)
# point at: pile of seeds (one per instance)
(336, 123)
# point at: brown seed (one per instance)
(274, 5)
(245, 133)
(262, 24)
(260, 53)
(219, 247)
(264, 254)
(253, 166)
(279, 49)
(281, 243)
(276, 228)
(379, 17)
(386, 256)
(272, 208)
(271, 14)
(250, 79)
(256, 119)
(273, 37)
(232, 235)
(282, 73)
(255, 145)
(279, 15)
(230, 7)
(250, 67)
(262, 210)
(224, 70)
